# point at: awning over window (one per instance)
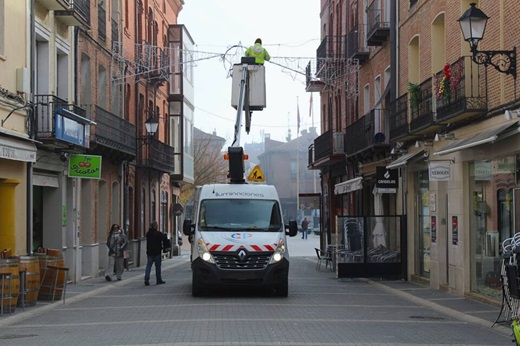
(481, 138)
(348, 186)
(17, 149)
(403, 160)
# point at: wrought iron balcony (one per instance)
(112, 134)
(421, 108)
(328, 149)
(312, 83)
(378, 29)
(157, 155)
(459, 96)
(357, 45)
(60, 124)
(398, 119)
(362, 135)
(76, 12)
(331, 48)
(152, 62)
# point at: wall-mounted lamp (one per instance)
(397, 148)
(473, 25)
(151, 125)
(510, 114)
(419, 144)
(448, 136)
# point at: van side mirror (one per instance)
(293, 228)
(187, 228)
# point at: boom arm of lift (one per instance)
(243, 101)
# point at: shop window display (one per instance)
(495, 217)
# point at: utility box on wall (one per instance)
(256, 83)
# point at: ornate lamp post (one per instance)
(473, 26)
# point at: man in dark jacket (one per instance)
(154, 245)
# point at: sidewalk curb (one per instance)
(34, 311)
(439, 308)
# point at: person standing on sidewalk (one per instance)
(154, 246)
(305, 226)
(116, 243)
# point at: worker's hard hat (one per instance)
(258, 40)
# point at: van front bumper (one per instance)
(208, 274)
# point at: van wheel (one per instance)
(282, 290)
(196, 287)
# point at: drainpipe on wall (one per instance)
(137, 182)
(31, 56)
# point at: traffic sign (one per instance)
(256, 175)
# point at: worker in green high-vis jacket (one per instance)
(258, 52)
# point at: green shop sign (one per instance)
(85, 166)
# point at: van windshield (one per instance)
(239, 214)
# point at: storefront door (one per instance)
(423, 223)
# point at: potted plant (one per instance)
(415, 94)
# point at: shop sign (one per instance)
(434, 229)
(386, 180)
(17, 154)
(483, 171)
(454, 230)
(85, 166)
(439, 170)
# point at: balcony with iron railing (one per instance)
(459, 93)
(331, 51)
(378, 29)
(398, 118)
(112, 134)
(327, 149)
(421, 108)
(154, 154)
(357, 44)
(152, 62)
(363, 135)
(59, 124)
(74, 13)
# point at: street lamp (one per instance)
(151, 125)
(473, 25)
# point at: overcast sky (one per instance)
(288, 28)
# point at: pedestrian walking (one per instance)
(258, 52)
(305, 226)
(154, 246)
(116, 243)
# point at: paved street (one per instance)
(320, 310)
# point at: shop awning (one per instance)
(488, 136)
(348, 186)
(403, 160)
(17, 149)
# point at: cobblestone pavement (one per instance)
(320, 310)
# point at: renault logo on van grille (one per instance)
(242, 260)
(242, 255)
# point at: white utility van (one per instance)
(238, 237)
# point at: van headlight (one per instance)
(278, 253)
(204, 252)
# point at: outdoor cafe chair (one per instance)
(323, 256)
